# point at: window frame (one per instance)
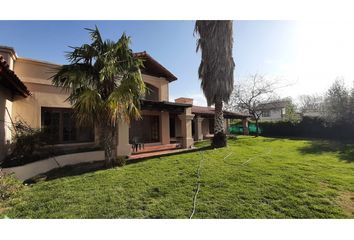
(266, 115)
(60, 133)
(152, 92)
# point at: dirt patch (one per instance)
(346, 201)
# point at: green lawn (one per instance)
(251, 178)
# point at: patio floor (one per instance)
(154, 154)
(156, 150)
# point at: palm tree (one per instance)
(216, 69)
(105, 84)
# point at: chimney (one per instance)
(9, 55)
(184, 100)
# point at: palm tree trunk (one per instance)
(219, 139)
(110, 148)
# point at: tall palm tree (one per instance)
(105, 84)
(216, 70)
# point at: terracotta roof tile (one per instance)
(153, 67)
(10, 80)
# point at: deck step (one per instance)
(157, 148)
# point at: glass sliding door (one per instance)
(145, 130)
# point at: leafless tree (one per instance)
(310, 103)
(249, 95)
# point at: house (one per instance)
(41, 104)
(11, 89)
(274, 110)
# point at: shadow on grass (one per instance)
(345, 151)
(82, 168)
(67, 171)
(275, 138)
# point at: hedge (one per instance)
(308, 128)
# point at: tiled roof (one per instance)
(10, 80)
(209, 111)
(153, 67)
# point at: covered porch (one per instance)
(164, 126)
(203, 122)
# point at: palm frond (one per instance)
(104, 80)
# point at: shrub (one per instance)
(28, 145)
(120, 161)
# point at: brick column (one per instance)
(186, 127)
(245, 126)
(123, 148)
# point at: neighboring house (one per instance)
(274, 111)
(162, 122)
(312, 113)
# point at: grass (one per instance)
(251, 178)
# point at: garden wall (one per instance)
(32, 169)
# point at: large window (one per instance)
(152, 93)
(61, 126)
(145, 130)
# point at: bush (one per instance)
(28, 145)
(120, 161)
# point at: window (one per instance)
(283, 111)
(152, 93)
(172, 126)
(211, 125)
(266, 113)
(61, 126)
(145, 130)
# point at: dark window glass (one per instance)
(145, 130)
(61, 127)
(173, 127)
(211, 126)
(69, 128)
(152, 93)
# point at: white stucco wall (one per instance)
(275, 115)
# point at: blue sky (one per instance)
(272, 48)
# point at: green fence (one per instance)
(238, 129)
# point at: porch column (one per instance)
(165, 127)
(123, 148)
(226, 125)
(198, 128)
(186, 127)
(245, 126)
